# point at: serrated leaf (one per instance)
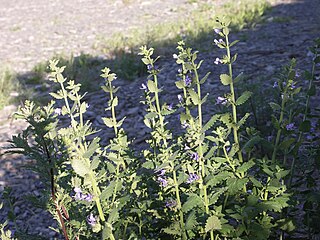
(83, 107)
(150, 115)
(194, 96)
(152, 86)
(243, 98)
(245, 166)
(235, 184)
(191, 221)
(213, 223)
(92, 148)
(213, 198)
(192, 202)
(113, 216)
(81, 166)
(108, 191)
(233, 43)
(95, 163)
(225, 79)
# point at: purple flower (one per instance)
(143, 87)
(170, 107)
(218, 42)
(298, 74)
(221, 100)
(163, 182)
(217, 61)
(171, 203)
(290, 127)
(180, 98)
(79, 196)
(192, 177)
(185, 125)
(275, 84)
(179, 70)
(91, 220)
(57, 111)
(160, 172)
(149, 67)
(195, 156)
(217, 30)
(188, 80)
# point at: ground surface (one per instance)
(36, 30)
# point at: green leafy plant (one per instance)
(212, 179)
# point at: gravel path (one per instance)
(33, 31)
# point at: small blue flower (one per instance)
(149, 67)
(79, 196)
(180, 98)
(217, 30)
(171, 203)
(143, 87)
(195, 156)
(170, 107)
(192, 177)
(188, 80)
(217, 61)
(221, 100)
(163, 181)
(275, 84)
(57, 111)
(290, 127)
(91, 220)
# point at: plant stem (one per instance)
(183, 231)
(233, 102)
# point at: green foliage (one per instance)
(218, 179)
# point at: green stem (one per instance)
(96, 192)
(183, 231)
(275, 149)
(113, 111)
(233, 102)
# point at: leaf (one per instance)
(255, 182)
(80, 165)
(56, 96)
(284, 145)
(213, 223)
(213, 198)
(108, 191)
(251, 143)
(305, 126)
(235, 184)
(92, 148)
(275, 106)
(115, 102)
(194, 96)
(243, 98)
(108, 122)
(152, 86)
(180, 84)
(204, 79)
(225, 79)
(245, 166)
(192, 202)
(209, 124)
(174, 229)
(95, 163)
(113, 216)
(191, 221)
(150, 115)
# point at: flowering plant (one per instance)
(208, 181)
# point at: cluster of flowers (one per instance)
(82, 196)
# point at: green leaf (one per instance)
(113, 216)
(213, 198)
(192, 202)
(225, 79)
(243, 98)
(194, 96)
(152, 86)
(56, 96)
(92, 148)
(115, 102)
(245, 166)
(95, 163)
(174, 229)
(204, 79)
(80, 165)
(239, 77)
(255, 182)
(108, 122)
(305, 126)
(284, 145)
(235, 184)
(150, 115)
(275, 106)
(191, 221)
(145, 61)
(213, 223)
(108, 191)
(180, 84)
